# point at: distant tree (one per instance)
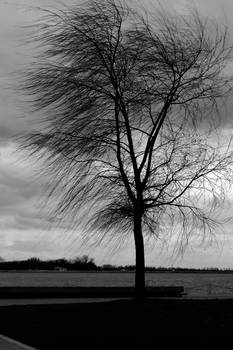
(109, 83)
(33, 263)
(83, 263)
(86, 260)
(109, 267)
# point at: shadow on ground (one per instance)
(109, 324)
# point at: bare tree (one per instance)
(111, 81)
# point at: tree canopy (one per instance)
(122, 93)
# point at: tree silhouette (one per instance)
(121, 92)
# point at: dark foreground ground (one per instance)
(181, 322)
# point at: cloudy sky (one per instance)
(24, 228)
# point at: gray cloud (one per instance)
(5, 134)
(19, 194)
(35, 247)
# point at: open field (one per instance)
(113, 324)
(195, 284)
(85, 292)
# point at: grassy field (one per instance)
(195, 284)
(115, 323)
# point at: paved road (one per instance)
(7, 302)
(44, 301)
(11, 344)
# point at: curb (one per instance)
(15, 344)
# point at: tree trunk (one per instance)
(140, 290)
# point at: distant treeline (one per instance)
(166, 269)
(79, 263)
(84, 263)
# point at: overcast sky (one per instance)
(23, 224)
